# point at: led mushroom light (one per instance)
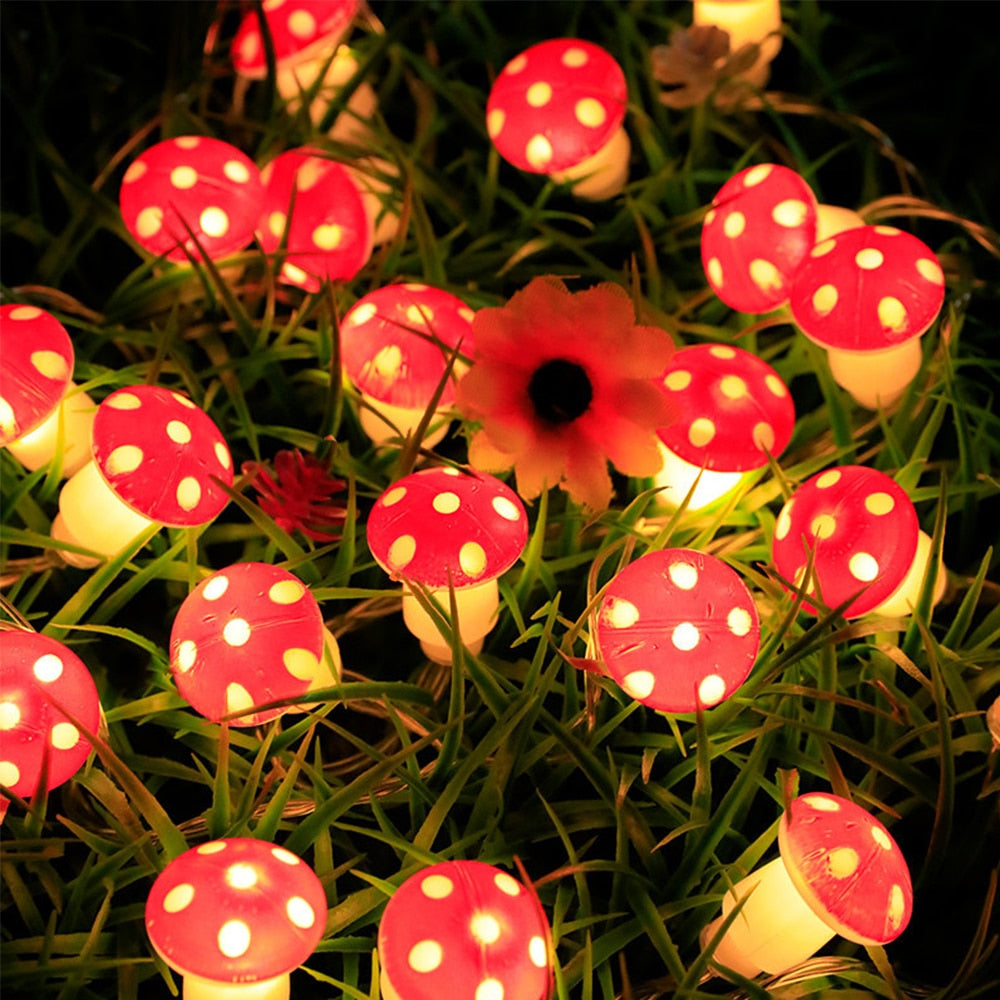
(735, 411)
(38, 677)
(865, 540)
(467, 930)
(557, 109)
(156, 459)
(448, 531)
(396, 343)
(188, 193)
(39, 405)
(249, 634)
(747, 22)
(329, 234)
(866, 295)
(839, 872)
(760, 228)
(234, 917)
(678, 629)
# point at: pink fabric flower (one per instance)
(560, 383)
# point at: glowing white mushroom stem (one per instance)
(277, 988)
(746, 21)
(677, 478)
(775, 930)
(475, 607)
(383, 421)
(904, 598)
(601, 175)
(73, 418)
(876, 378)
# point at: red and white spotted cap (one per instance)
(330, 235)
(867, 289)
(158, 453)
(37, 367)
(735, 408)
(863, 529)
(299, 29)
(236, 910)
(246, 635)
(441, 526)
(38, 677)
(191, 183)
(678, 629)
(847, 867)
(467, 931)
(555, 105)
(395, 342)
(760, 227)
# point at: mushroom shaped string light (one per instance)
(249, 634)
(396, 343)
(464, 929)
(678, 629)
(736, 410)
(839, 872)
(866, 545)
(557, 109)
(330, 232)
(234, 917)
(448, 531)
(866, 295)
(191, 195)
(760, 228)
(747, 22)
(38, 678)
(156, 459)
(39, 405)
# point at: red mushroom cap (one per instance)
(867, 289)
(760, 227)
(236, 911)
(246, 635)
(735, 408)
(330, 235)
(191, 183)
(678, 629)
(847, 867)
(299, 29)
(396, 341)
(37, 367)
(159, 453)
(556, 104)
(440, 526)
(37, 674)
(468, 931)
(863, 528)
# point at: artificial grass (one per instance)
(631, 824)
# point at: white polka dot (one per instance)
(178, 432)
(485, 928)
(881, 838)
(327, 236)
(212, 847)
(300, 913)
(123, 401)
(538, 953)
(590, 112)
(790, 213)
(897, 906)
(828, 479)
(722, 352)
(538, 94)
(823, 804)
(763, 436)
(701, 431)
(639, 684)
(495, 121)
(930, 270)
(178, 898)
(538, 152)
(842, 862)
(300, 663)
(507, 885)
(425, 956)
(51, 364)
(437, 886)
(394, 495)
(824, 299)
(183, 177)
(685, 636)
(10, 773)
(822, 249)
(64, 736)
(574, 58)
(879, 504)
(47, 668)
(869, 259)
(214, 221)
(823, 526)
(236, 632)
(215, 587)
(733, 387)
(776, 386)
(739, 621)
(619, 613)
(892, 314)
(755, 175)
(446, 503)
(784, 522)
(711, 690)
(187, 142)
(301, 23)
(517, 64)
(863, 567)
(276, 223)
(489, 989)
(286, 592)
(683, 575)
(241, 876)
(234, 938)
(236, 171)
(714, 272)
(402, 550)
(134, 172)
(238, 698)
(124, 459)
(734, 225)
(285, 856)
(677, 381)
(506, 508)
(10, 716)
(420, 315)
(187, 654)
(765, 275)
(472, 559)
(188, 493)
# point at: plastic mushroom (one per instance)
(329, 233)
(866, 295)
(839, 872)
(249, 634)
(39, 677)
(735, 412)
(759, 229)
(860, 530)
(834, 219)
(678, 629)
(190, 196)
(396, 343)
(747, 22)
(156, 459)
(40, 408)
(448, 531)
(464, 928)
(557, 109)
(234, 917)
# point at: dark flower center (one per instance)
(560, 391)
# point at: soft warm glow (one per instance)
(746, 21)
(876, 378)
(476, 609)
(904, 598)
(73, 419)
(833, 219)
(602, 175)
(196, 988)
(774, 931)
(383, 422)
(677, 479)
